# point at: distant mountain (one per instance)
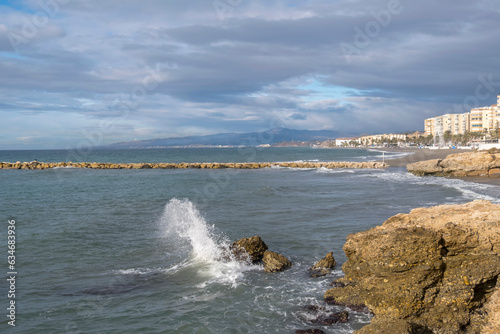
(232, 139)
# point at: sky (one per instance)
(77, 73)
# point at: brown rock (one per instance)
(328, 262)
(333, 318)
(459, 165)
(309, 331)
(432, 270)
(253, 246)
(428, 167)
(274, 262)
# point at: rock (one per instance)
(314, 308)
(427, 167)
(309, 331)
(333, 318)
(476, 163)
(253, 246)
(393, 326)
(319, 272)
(434, 270)
(215, 165)
(328, 262)
(323, 266)
(274, 262)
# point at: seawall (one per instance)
(36, 165)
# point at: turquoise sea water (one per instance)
(138, 251)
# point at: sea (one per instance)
(142, 251)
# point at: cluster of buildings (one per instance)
(378, 139)
(484, 119)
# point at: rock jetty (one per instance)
(183, 165)
(434, 270)
(477, 163)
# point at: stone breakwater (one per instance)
(434, 270)
(481, 163)
(184, 165)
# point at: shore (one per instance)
(416, 155)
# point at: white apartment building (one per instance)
(484, 119)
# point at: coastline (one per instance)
(416, 155)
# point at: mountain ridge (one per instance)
(270, 137)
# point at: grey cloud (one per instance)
(217, 72)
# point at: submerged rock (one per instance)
(434, 270)
(274, 262)
(253, 246)
(333, 318)
(309, 331)
(314, 308)
(319, 272)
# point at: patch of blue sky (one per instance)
(18, 5)
(13, 55)
(320, 91)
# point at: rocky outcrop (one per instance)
(323, 267)
(274, 262)
(254, 247)
(480, 163)
(183, 165)
(434, 270)
(255, 250)
(328, 262)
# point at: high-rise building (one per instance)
(484, 119)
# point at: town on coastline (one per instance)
(478, 128)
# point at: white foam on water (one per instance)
(184, 227)
(146, 271)
(390, 155)
(469, 190)
(335, 170)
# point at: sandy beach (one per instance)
(416, 155)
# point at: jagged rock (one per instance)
(434, 270)
(477, 163)
(333, 318)
(253, 246)
(323, 266)
(309, 331)
(328, 262)
(274, 262)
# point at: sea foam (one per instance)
(185, 229)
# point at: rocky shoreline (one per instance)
(207, 165)
(476, 163)
(434, 270)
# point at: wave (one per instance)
(335, 171)
(390, 155)
(469, 190)
(208, 250)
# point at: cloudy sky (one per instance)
(102, 71)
